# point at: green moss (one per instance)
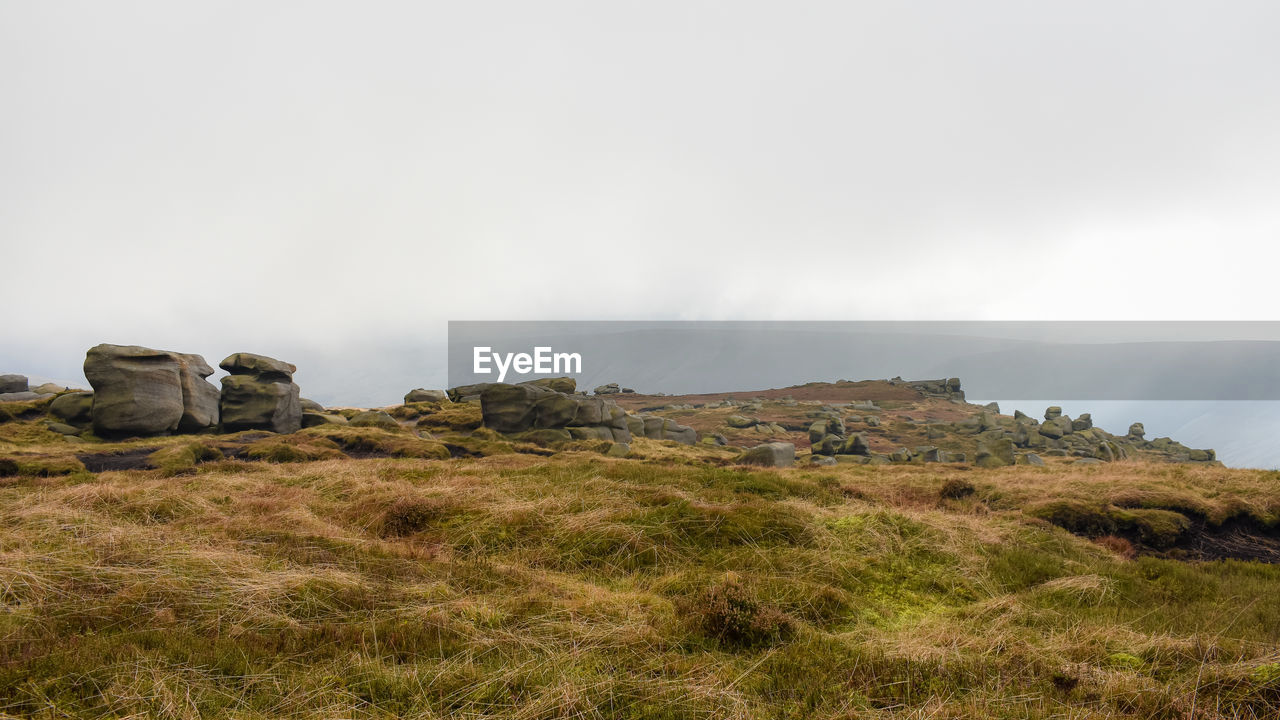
(293, 448)
(1125, 661)
(456, 417)
(182, 459)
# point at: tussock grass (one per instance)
(523, 586)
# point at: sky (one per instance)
(331, 183)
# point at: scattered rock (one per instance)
(62, 428)
(22, 396)
(610, 389)
(822, 460)
(992, 407)
(740, 421)
(774, 454)
(618, 449)
(49, 389)
(1030, 459)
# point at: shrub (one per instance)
(1117, 545)
(730, 614)
(956, 488)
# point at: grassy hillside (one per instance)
(519, 585)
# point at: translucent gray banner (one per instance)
(1014, 360)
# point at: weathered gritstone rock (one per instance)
(13, 384)
(311, 406)
(610, 389)
(566, 385)
(822, 428)
(23, 396)
(74, 408)
(655, 427)
(520, 408)
(775, 454)
(140, 391)
(418, 395)
(374, 418)
(1052, 412)
(313, 419)
(995, 453)
(260, 394)
(1137, 431)
(1084, 422)
(49, 389)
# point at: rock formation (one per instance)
(259, 394)
(140, 391)
(422, 395)
(774, 454)
(13, 383)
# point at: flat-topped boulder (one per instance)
(774, 454)
(418, 395)
(141, 391)
(13, 383)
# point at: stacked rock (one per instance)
(259, 394)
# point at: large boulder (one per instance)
(1084, 422)
(1052, 412)
(566, 385)
(374, 418)
(73, 408)
(468, 393)
(418, 395)
(259, 394)
(996, 452)
(13, 383)
(774, 454)
(855, 444)
(609, 389)
(1137, 431)
(140, 391)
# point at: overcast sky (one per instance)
(304, 178)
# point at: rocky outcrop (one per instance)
(774, 454)
(610, 389)
(520, 408)
(13, 384)
(656, 427)
(259, 394)
(140, 391)
(1137, 431)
